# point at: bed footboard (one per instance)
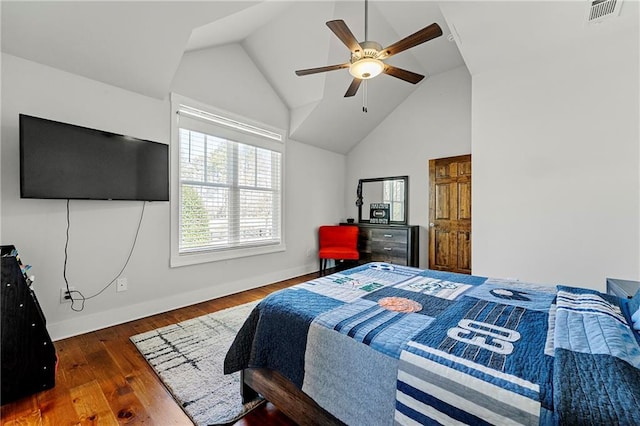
(286, 396)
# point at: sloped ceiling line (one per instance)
(139, 46)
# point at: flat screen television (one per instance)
(65, 161)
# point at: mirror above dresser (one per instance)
(382, 218)
(383, 192)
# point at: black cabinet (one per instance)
(389, 243)
(28, 354)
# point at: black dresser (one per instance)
(388, 243)
(28, 354)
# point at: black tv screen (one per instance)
(59, 160)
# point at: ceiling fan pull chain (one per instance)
(364, 98)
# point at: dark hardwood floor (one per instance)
(102, 379)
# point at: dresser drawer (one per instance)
(389, 235)
(390, 244)
(390, 253)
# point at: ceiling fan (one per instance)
(367, 56)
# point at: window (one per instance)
(228, 186)
(393, 194)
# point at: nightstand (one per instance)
(622, 288)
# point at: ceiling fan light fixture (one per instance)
(366, 68)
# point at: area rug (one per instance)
(188, 357)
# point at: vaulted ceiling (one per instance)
(138, 46)
(298, 38)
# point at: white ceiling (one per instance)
(133, 45)
(498, 34)
(138, 46)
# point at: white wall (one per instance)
(102, 231)
(227, 78)
(555, 148)
(434, 122)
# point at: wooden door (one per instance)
(450, 214)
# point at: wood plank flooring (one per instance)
(103, 380)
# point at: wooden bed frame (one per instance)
(278, 390)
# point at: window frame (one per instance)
(391, 187)
(224, 131)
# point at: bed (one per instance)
(383, 344)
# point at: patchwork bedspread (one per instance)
(387, 344)
(597, 361)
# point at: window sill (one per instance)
(195, 258)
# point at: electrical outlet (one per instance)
(64, 296)
(121, 284)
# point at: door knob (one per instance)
(431, 225)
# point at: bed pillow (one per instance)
(634, 302)
(634, 311)
(594, 323)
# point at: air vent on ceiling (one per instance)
(602, 9)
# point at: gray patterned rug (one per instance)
(188, 358)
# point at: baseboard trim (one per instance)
(92, 322)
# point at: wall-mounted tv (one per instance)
(65, 161)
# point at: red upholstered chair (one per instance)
(338, 243)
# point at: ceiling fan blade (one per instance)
(353, 87)
(419, 37)
(345, 35)
(405, 75)
(321, 69)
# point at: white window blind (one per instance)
(229, 184)
(393, 194)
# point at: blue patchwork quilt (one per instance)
(387, 344)
(597, 358)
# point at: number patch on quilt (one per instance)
(487, 336)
